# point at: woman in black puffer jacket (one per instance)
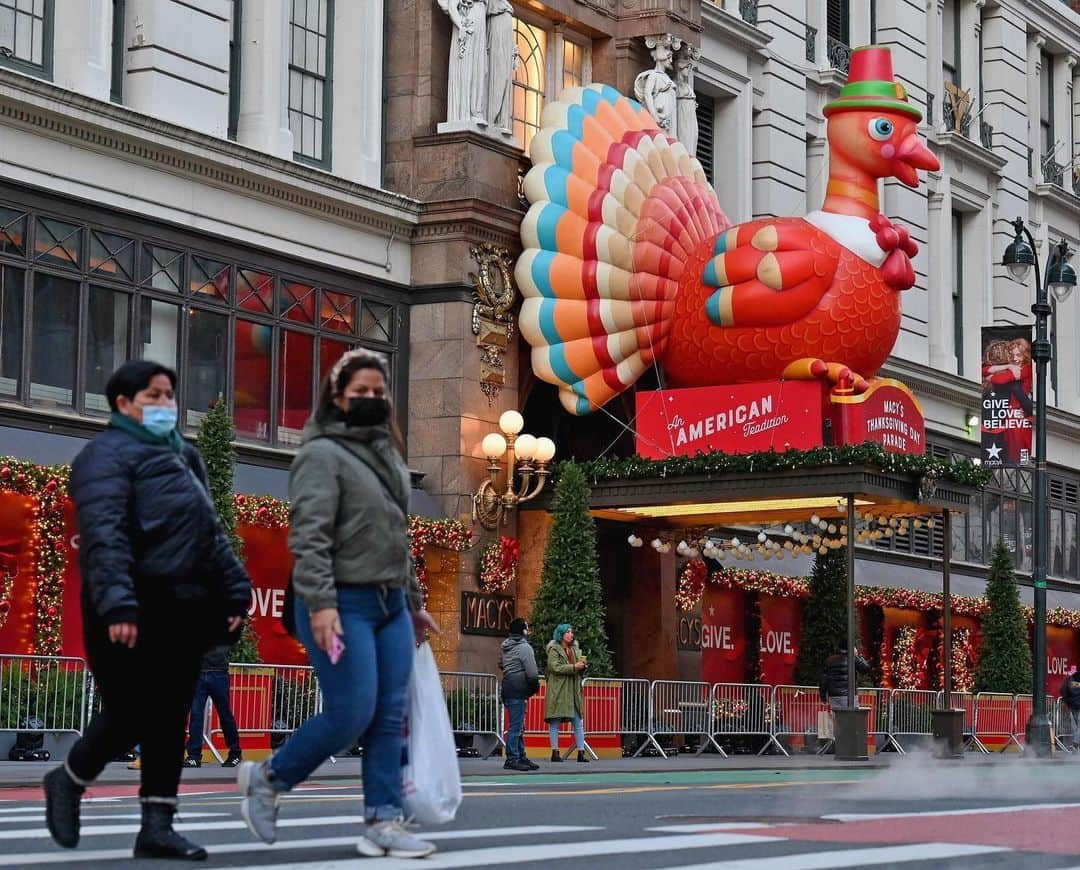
(160, 586)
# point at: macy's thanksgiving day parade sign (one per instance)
(629, 263)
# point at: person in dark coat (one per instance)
(521, 680)
(834, 679)
(1070, 694)
(160, 585)
(213, 684)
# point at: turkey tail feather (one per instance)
(621, 215)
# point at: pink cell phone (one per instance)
(337, 648)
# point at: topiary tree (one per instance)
(1004, 655)
(570, 579)
(215, 443)
(824, 615)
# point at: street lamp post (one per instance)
(1060, 278)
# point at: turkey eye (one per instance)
(881, 129)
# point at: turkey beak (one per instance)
(911, 156)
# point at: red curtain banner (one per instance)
(269, 562)
(72, 623)
(781, 633)
(723, 635)
(1061, 654)
(18, 580)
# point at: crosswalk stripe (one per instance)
(511, 855)
(847, 858)
(700, 829)
(57, 857)
(976, 811)
(233, 825)
(32, 816)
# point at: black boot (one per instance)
(62, 798)
(157, 839)
(582, 757)
(555, 755)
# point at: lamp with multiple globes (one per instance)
(527, 459)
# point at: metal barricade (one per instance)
(796, 710)
(909, 713)
(43, 693)
(472, 700)
(880, 722)
(995, 716)
(966, 701)
(617, 708)
(1065, 733)
(1023, 709)
(744, 710)
(682, 708)
(266, 699)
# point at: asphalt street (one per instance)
(913, 814)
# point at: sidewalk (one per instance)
(28, 774)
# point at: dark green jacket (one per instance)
(349, 494)
(564, 698)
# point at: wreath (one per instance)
(498, 564)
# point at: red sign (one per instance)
(723, 635)
(781, 632)
(1060, 656)
(736, 418)
(887, 413)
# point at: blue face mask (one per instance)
(159, 420)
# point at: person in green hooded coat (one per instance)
(564, 700)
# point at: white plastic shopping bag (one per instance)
(431, 782)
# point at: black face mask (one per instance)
(365, 411)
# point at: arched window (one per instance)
(548, 61)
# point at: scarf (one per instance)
(123, 422)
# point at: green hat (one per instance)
(871, 85)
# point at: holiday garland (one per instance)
(498, 564)
(907, 671)
(263, 511)
(869, 454)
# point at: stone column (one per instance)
(941, 262)
(264, 80)
(178, 62)
(358, 66)
(934, 117)
(817, 172)
(1064, 64)
(82, 43)
(970, 24)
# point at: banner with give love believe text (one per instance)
(1008, 413)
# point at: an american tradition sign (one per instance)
(776, 415)
(734, 418)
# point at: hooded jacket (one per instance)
(834, 680)
(564, 698)
(349, 495)
(521, 677)
(149, 536)
(1070, 691)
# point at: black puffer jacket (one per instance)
(834, 680)
(149, 535)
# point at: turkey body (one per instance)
(856, 321)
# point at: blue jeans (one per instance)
(515, 734)
(364, 697)
(213, 685)
(579, 732)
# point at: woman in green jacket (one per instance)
(564, 699)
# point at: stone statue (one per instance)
(467, 92)
(502, 60)
(686, 127)
(654, 88)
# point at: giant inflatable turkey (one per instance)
(629, 261)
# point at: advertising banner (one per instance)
(1008, 413)
(736, 418)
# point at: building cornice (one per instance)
(960, 147)
(733, 29)
(1058, 195)
(129, 135)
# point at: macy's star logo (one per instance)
(993, 451)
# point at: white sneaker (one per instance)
(392, 838)
(259, 807)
